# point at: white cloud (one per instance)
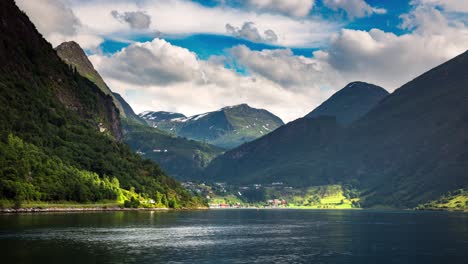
(157, 62)
(282, 67)
(448, 5)
(159, 76)
(186, 17)
(297, 8)
(94, 20)
(250, 32)
(137, 20)
(354, 8)
(167, 77)
(374, 56)
(58, 23)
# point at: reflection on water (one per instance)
(236, 236)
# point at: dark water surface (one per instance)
(236, 236)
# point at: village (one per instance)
(223, 196)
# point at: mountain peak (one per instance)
(236, 106)
(68, 45)
(350, 103)
(72, 53)
(227, 127)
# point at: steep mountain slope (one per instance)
(351, 102)
(59, 133)
(72, 54)
(127, 109)
(227, 128)
(410, 148)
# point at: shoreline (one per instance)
(119, 209)
(89, 209)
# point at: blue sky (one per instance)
(286, 56)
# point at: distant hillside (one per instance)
(227, 128)
(351, 102)
(60, 134)
(181, 158)
(409, 149)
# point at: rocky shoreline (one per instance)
(78, 209)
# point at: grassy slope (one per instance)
(455, 200)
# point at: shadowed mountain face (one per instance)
(72, 54)
(227, 128)
(411, 147)
(351, 102)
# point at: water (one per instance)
(235, 236)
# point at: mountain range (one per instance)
(227, 128)
(409, 148)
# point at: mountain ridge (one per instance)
(350, 103)
(227, 127)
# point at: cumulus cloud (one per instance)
(297, 8)
(151, 63)
(250, 32)
(374, 56)
(157, 75)
(354, 8)
(168, 77)
(288, 85)
(93, 20)
(136, 20)
(178, 16)
(282, 67)
(58, 23)
(448, 5)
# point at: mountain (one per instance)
(72, 54)
(60, 134)
(351, 103)
(410, 148)
(184, 158)
(226, 128)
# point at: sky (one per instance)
(286, 56)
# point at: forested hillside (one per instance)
(60, 134)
